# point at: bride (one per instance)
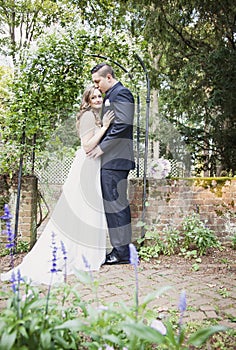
(75, 235)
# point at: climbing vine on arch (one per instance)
(47, 87)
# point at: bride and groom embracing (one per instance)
(94, 197)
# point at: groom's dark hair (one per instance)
(104, 69)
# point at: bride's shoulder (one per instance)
(87, 117)
(87, 114)
(87, 122)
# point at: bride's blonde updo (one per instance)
(85, 106)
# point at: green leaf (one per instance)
(34, 324)
(23, 332)
(7, 340)
(62, 343)
(2, 325)
(83, 276)
(34, 304)
(171, 338)
(201, 336)
(74, 325)
(144, 332)
(140, 224)
(111, 338)
(45, 339)
(151, 296)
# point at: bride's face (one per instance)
(96, 99)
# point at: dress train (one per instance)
(75, 235)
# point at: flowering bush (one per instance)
(159, 169)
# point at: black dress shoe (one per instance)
(111, 252)
(113, 259)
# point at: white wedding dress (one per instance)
(78, 220)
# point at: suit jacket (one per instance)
(117, 142)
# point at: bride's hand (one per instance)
(107, 118)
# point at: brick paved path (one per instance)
(211, 291)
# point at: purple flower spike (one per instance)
(86, 263)
(64, 252)
(54, 260)
(10, 235)
(87, 266)
(19, 275)
(182, 308)
(134, 259)
(182, 302)
(13, 282)
(7, 215)
(54, 254)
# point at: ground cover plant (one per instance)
(192, 239)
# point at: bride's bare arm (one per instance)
(89, 138)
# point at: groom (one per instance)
(117, 159)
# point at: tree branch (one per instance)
(180, 34)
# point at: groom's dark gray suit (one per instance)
(116, 162)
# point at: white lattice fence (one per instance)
(177, 168)
(57, 170)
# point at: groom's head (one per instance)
(103, 76)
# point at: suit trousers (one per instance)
(117, 209)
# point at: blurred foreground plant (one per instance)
(116, 326)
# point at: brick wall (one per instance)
(169, 201)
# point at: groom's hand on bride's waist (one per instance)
(95, 153)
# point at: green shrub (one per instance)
(196, 235)
(192, 236)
